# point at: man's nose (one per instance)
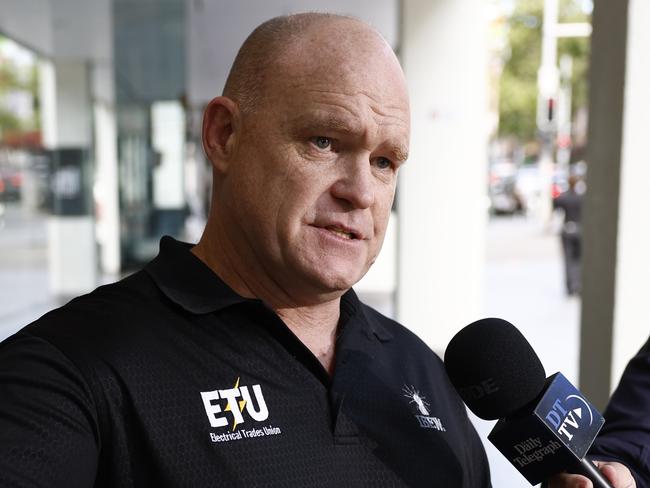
(355, 183)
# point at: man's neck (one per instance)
(315, 324)
(316, 327)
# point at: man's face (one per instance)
(317, 165)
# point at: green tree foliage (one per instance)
(14, 79)
(518, 84)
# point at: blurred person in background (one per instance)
(570, 202)
(248, 360)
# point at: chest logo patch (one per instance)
(232, 407)
(421, 407)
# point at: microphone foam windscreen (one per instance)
(494, 368)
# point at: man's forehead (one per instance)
(335, 117)
(379, 83)
(320, 80)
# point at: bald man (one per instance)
(247, 360)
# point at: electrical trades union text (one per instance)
(235, 402)
(245, 434)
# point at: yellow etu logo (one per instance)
(234, 401)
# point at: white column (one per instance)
(106, 188)
(631, 313)
(47, 97)
(615, 315)
(442, 193)
(67, 125)
(106, 184)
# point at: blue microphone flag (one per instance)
(557, 433)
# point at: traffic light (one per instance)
(547, 113)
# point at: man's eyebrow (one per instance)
(400, 151)
(328, 121)
(333, 122)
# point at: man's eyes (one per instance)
(383, 163)
(322, 142)
(325, 143)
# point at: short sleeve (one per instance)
(48, 428)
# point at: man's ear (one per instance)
(221, 125)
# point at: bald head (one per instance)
(277, 44)
(306, 145)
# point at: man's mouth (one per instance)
(341, 232)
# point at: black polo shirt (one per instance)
(169, 378)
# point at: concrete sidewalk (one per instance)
(24, 285)
(524, 284)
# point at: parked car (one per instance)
(501, 188)
(10, 185)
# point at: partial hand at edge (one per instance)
(618, 475)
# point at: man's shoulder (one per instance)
(129, 293)
(109, 312)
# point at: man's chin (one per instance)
(327, 279)
(336, 283)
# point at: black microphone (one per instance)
(546, 426)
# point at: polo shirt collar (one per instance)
(188, 281)
(191, 284)
(356, 312)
